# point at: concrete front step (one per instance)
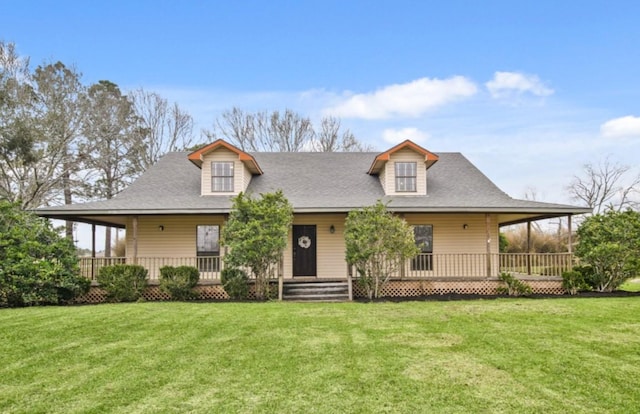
(316, 291)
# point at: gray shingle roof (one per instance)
(313, 182)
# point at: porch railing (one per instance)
(483, 265)
(209, 266)
(425, 265)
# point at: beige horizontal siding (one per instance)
(330, 262)
(178, 239)
(405, 155)
(239, 173)
(382, 176)
(246, 179)
(449, 236)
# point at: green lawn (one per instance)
(508, 355)
(632, 285)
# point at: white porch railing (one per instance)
(423, 266)
(209, 266)
(480, 265)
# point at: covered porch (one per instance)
(427, 273)
(453, 265)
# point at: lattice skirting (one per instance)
(413, 288)
(394, 289)
(153, 293)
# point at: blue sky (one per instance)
(528, 91)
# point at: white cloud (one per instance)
(409, 99)
(509, 84)
(624, 127)
(395, 136)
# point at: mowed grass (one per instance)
(632, 285)
(506, 355)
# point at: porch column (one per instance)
(488, 233)
(529, 247)
(569, 236)
(93, 251)
(135, 239)
(570, 242)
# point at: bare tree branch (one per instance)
(163, 127)
(606, 186)
(282, 132)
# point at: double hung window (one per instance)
(423, 235)
(208, 248)
(221, 177)
(405, 176)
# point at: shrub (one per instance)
(123, 283)
(591, 280)
(179, 281)
(573, 282)
(610, 244)
(37, 265)
(514, 287)
(235, 282)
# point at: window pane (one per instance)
(207, 240)
(222, 184)
(423, 235)
(222, 176)
(405, 176)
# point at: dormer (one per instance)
(225, 169)
(402, 170)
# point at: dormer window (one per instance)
(221, 177)
(405, 176)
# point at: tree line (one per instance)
(63, 141)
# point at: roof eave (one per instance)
(196, 157)
(429, 157)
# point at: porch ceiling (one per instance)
(110, 221)
(507, 219)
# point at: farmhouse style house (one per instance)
(174, 212)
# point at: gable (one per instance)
(197, 157)
(402, 170)
(382, 158)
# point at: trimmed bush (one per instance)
(514, 287)
(235, 282)
(123, 283)
(573, 282)
(37, 265)
(179, 281)
(589, 276)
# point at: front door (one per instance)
(304, 250)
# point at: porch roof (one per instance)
(313, 183)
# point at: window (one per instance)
(423, 235)
(221, 176)
(208, 248)
(405, 176)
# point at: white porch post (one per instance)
(488, 233)
(135, 240)
(528, 247)
(570, 242)
(93, 251)
(570, 237)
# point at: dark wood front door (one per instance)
(304, 250)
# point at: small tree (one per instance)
(610, 244)
(377, 243)
(37, 265)
(256, 234)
